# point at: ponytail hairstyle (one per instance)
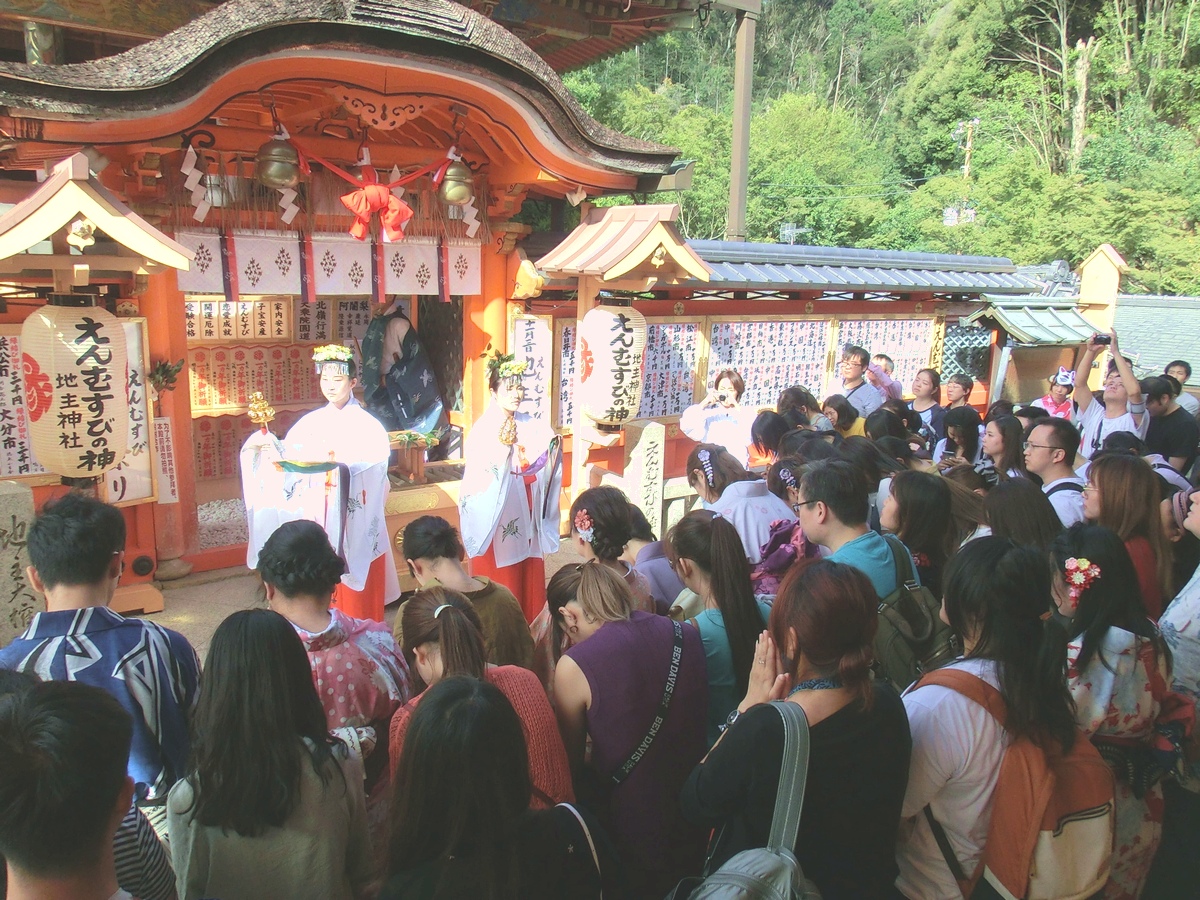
(713, 465)
(832, 609)
(897, 449)
(712, 543)
(601, 593)
(1112, 600)
(999, 594)
(438, 615)
(298, 561)
(600, 516)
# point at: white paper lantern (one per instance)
(76, 368)
(612, 340)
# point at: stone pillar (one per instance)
(18, 603)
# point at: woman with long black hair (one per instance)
(461, 822)
(273, 805)
(920, 511)
(707, 553)
(996, 598)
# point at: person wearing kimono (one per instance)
(331, 468)
(508, 505)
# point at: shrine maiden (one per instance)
(334, 462)
(508, 508)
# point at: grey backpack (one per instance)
(771, 872)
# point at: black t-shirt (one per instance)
(857, 775)
(1175, 434)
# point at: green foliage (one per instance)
(1089, 125)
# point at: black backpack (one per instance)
(912, 639)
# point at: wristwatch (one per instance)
(729, 720)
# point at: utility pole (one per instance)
(969, 129)
(747, 12)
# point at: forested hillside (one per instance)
(1088, 116)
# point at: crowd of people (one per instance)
(622, 740)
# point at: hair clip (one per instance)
(437, 612)
(788, 477)
(585, 526)
(705, 458)
(1080, 573)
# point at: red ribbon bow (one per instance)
(373, 198)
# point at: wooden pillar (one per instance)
(581, 433)
(176, 524)
(743, 83)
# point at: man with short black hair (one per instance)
(1173, 433)
(832, 508)
(862, 394)
(1050, 455)
(1181, 371)
(77, 552)
(64, 751)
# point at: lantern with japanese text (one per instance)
(611, 343)
(75, 363)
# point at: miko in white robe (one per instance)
(509, 503)
(348, 435)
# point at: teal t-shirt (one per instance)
(722, 685)
(872, 556)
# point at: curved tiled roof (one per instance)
(169, 69)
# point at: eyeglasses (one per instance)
(796, 506)
(1091, 487)
(852, 362)
(1029, 445)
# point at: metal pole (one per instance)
(743, 82)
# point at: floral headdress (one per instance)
(1079, 574)
(585, 526)
(705, 458)
(338, 356)
(506, 366)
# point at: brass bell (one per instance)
(457, 184)
(278, 165)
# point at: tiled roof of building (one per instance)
(162, 72)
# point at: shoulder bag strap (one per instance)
(1071, 486)
(948, 854)
(906, 573)
(587, 834)
(668, 692)
(793, 776)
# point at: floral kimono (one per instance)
(1116, 706)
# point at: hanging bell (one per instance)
(458, 184)
(278, 165)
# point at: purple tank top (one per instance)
(626, 665)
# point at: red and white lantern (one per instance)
(76, 366)
(612, 340)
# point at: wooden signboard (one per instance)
(531, 338)
(770, 354)
(908, 341)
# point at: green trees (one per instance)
(1088, 112)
